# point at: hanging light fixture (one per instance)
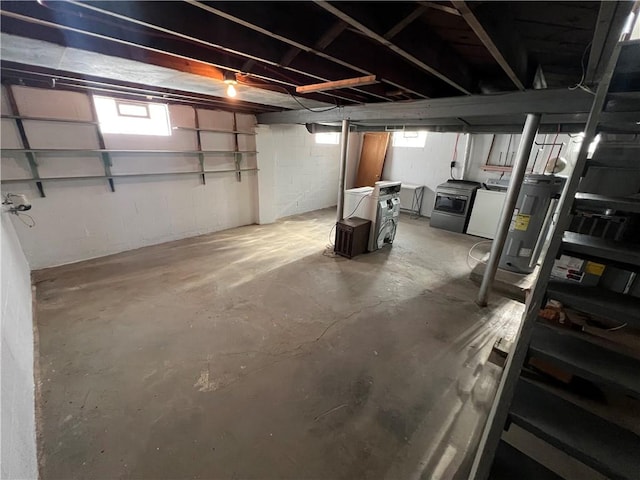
(230, 80)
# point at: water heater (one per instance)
(530, 223)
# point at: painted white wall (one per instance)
(430, 165)
(18, 458)
(296, 174)
(79, 220)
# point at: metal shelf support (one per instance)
(31, 157)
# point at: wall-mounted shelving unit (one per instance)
(107, 153)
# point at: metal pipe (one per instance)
(465, 158)
(344, 143)
(517, 176)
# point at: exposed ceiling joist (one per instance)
(246, 67)
(320, 45)
(387, 43)
(516, 103)
(488, 42)
(301, 46)
(441, 7)
(402, 24)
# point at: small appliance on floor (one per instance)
(452, 207)
(352, 236)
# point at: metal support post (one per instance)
(106, 162)
(344, 143)
(466, 157)
(517, 176)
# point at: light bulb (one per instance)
(231, 91)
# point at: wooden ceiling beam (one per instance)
(488, 41)
(252, 64)
(396, 82)
(442, 8)
(320, 45)
(402, 24)
(457, 83)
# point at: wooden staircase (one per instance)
(598, 346)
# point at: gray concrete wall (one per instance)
(298, 175)
(429, 165)
(18, 436)
(83, 219)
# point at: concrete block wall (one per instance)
(431, 164)
(298, 175)
(83, 219)
(18, 459)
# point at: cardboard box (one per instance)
(577, 270)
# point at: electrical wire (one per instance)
(455, 156)
(619, 327)
(331, 244)
(28, 224)
(469, 254)
(580, 84)
(304, 106)
(479, 260)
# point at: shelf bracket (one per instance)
(33, 166)
(238, 160)
(237, 156)
(106, 162)
(199, 142)
(202, 172)
(31, 157)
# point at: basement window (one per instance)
(409, 139)
(132, 118)
(328, 138)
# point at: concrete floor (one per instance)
(250, 354)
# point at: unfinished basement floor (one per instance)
(249, 354)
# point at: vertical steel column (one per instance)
(465, 159)
(517, 176)
(344, 142)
